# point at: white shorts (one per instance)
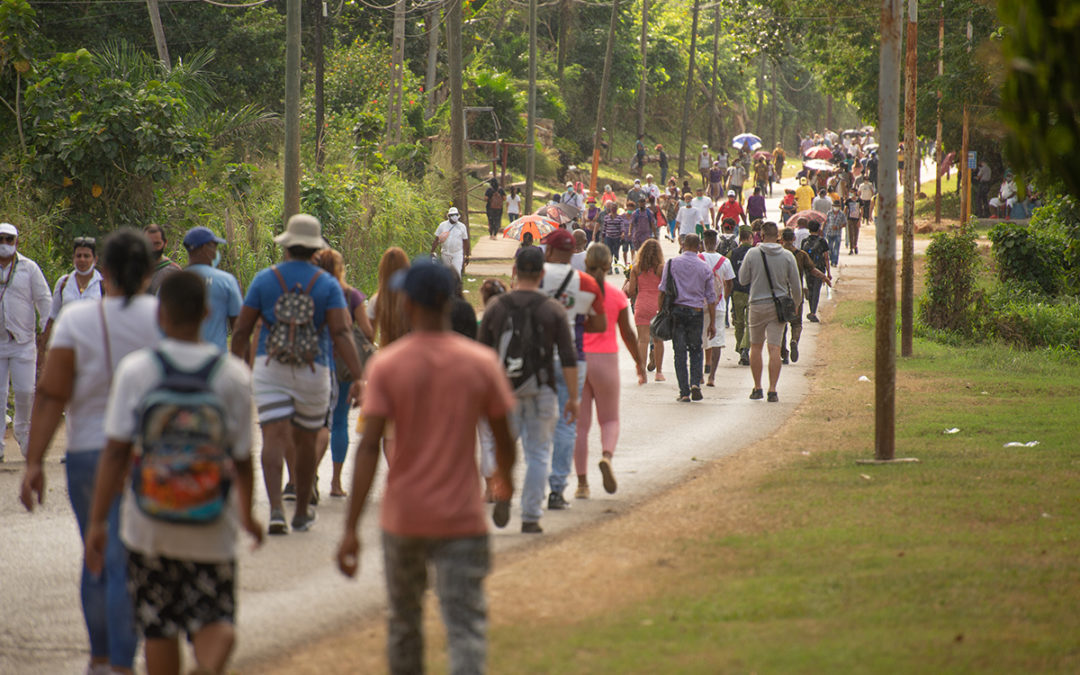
(718, 324)
(288, 393)
(455, 260)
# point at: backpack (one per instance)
(496, 200)
(818, 250)
(521, 346)
(293, 339)
(184, 471)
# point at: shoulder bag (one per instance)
(662, 326)
(786, 311)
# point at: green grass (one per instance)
(965, 562)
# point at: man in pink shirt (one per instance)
(434, 385)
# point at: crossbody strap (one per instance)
(108, 342)
(565, 283)
(768, 276)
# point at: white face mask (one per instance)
(7, 250)
(453, 219)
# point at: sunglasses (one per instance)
(85, 241)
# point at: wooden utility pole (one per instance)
(608, 54)
(937, 140)
(159, 33)
(457, 110)
(644, 68)
(689, 89)
(911, 186)
(431, 22)
(530, 131)
(320, 107)
(397, 75)
(714, 113)
(965, 172)
(292, 109)
(885, 318)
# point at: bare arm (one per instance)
(337, 320)
(241, 337)
(367, 460)
(361, 318)
(596, 323)
(53, 393)
(245, 481)
(633, 283)
(112, 470)
(629, 338)
(504, 458)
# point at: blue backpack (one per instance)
(184, 470)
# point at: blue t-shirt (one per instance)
(265, 290)
(223, 300)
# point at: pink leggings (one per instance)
(601, 385)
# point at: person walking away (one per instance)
(639, 152)
(303, 311)
(513, 204)
(822, 204)
(693, 290)
(526, 327)
(704, 205)
(854, 213)
(704, 161)
(818, 250)
(723, 275)
(740, 297)
(688, 218)
(163, 265)
(453, 237)
(490, 289)
(386, 318)
(736, 179)
(806, 271)
(761, 174)
(495, 197)
(982, 190)
(755, 205)
(644, 291)
(731, 208)
(223, 296)
(181, 545)
(779, 157)
(626, 243)
(87, 343)
(662, 160)
(670, 205)
(432, 508)
(25, 303)
(577, 260)
(770, 271)
(835, 222)
(787, 205)
(804, 195)
(642, 226)
(602, 376)
(580, 296)
(82, 283)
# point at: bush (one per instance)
(1032, 259)
(950, 282)
(1028, 320)
(1059, 221)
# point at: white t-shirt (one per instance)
(513, 204)
(577, 261)
(63, 293)
(79, 328)
(687, 219)
(801, 233)
(866, 191)
(450, 235)
(704, 161)
(703, 204)
(721, 274)
(136, 376)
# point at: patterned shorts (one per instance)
(174, 596)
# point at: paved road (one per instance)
(290, 592)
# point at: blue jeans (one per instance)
(689, 323)
(562, 454)
(834, 248)
(107, 606)
(533, 420)
(613, 244)
(339, 425)
(461, 564)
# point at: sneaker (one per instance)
(609, 476)
(500, 515)
(783, 360)
(794, 351)
(277, 523)
(304, 523)
(773, 398)
(744, 357)
(756, 395)
(695, 394)
(784, 354)
(531, 528)
(556, 502)
(813, 318)
(289, 493)
(582, 492)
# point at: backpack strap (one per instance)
(281, 279)
(307, 291)
(203, 374)
(565, 283)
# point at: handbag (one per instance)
(364, 349)
(662, 326)
(786, 311)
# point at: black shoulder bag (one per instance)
(786, 311)
(662, 326)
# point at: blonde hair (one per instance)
(334, 263)
(390, 323)
(597, 263)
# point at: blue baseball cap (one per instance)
(426, 282)
(198, 236)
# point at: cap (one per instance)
(8, 228)
(569, 184)
(199, 236)
(559, 240)
(730, 193)
(425, 282)
(705, 146)
(637, 181)
(452, 211)
(529, 259)
(302, 230)
(802, 181)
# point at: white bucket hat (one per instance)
(302, 230)
(453, 211)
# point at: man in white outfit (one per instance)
(453, 236)
(23, 290)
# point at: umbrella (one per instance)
(818, 152)
(560, 213)
(818, 165)
(536, 224)
(853, 132)
(870, 146)
(809, 214)
(762, 154)
(748, 141)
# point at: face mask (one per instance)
(84, 274)
(217, 259)
(453, 219)
(7, 250)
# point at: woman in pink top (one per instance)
(644, 290)
(602, 374)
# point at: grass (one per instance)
(965, 562)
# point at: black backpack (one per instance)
(521, 346)
(818, 250)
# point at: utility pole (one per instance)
(911, 187)
(714, 114)
(885, 317)
(457, 110)
(159, 33)
(689, 90)
(431, 22)
(292, 109)
(608, 54)
(397, 75)
(644, 71)
(320, 107)
(530, 131)
(937, 142)
(965, 173)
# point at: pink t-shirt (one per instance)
(614, 302)
(435, 387)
